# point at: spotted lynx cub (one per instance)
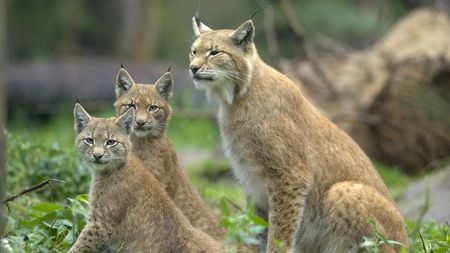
(151, 144)
(129, 211)
(311, 180)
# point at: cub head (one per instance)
(151, 102)
(103, 143)
(221, 61)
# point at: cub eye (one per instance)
(111, 142)
(214, 52)
(153, 108)
(194, 52)
(89, 141)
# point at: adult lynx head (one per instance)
(149, 100)
(221, 61)
(103, 143)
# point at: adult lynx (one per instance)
(151, 144)
(128, 210)
(311, 180)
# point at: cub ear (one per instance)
(125, 121)
(124, 82)
(164, 86)
(199, 27)
(81, 117)
(244, 34)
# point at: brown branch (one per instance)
(269, 31)
(236, 206)
(31, 189)
(292, 22)
(307, 47)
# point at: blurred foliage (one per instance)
(213, 180)
(195, 133)
(30, 162)
(49, 28)
(394, 178)
(241, 229)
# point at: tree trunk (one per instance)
(2, 114)
(138, 34)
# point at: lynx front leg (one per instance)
(287, 195)
(93, 238)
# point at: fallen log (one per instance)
(394, 97)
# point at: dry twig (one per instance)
(31, 189)
(307, 48)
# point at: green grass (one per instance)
(394, 178)
(49, 220)
(214, 181)
(195, 133)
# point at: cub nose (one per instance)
(140, 123)
(98, 156)
(194, 69)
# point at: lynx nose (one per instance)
(98, 156)
(140, 123)
(194, 69)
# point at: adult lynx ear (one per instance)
(199, 27)
(125, 121)
(81, 117)
(164, 86)
(124, 82)
(244, 34)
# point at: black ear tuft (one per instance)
(168, 70)
(197, 13)
(254, 14)
(121, 65)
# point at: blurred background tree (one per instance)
(2, 113)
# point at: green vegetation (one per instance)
(395, 179)
(49, 220)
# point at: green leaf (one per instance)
(224, 207)
(47, 207)
(258, 220)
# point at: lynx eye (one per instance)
(89, 141)
(153, 108)
(194, 52)
(111, 142)
(214, 52)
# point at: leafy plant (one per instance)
(373, 244)
(242, 228)
(49, 227)
(31, 162)
(429, 237)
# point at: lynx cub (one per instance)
(129, 211)
(151, 144)
(311, 180)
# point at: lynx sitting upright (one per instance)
(129, 211)
(311, 180)
(151, 144)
